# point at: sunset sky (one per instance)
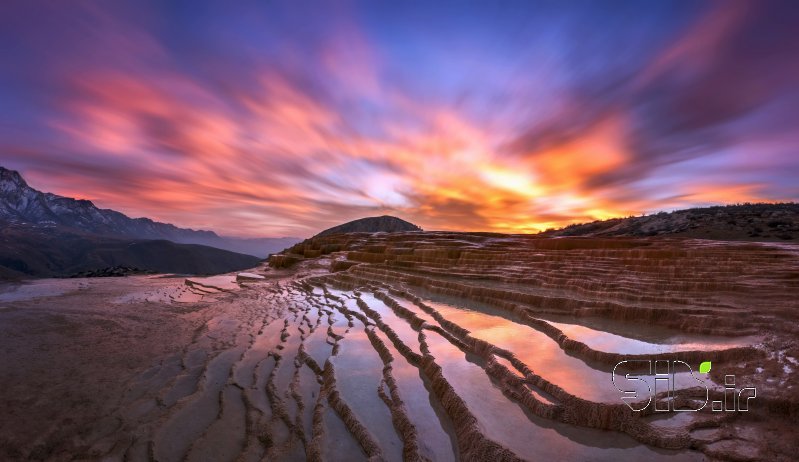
(287, 117)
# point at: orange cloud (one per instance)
(294, 138)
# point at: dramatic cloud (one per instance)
(286, 118)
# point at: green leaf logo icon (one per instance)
(704, 368)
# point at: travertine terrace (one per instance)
(422, 346)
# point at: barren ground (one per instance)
(408, 346)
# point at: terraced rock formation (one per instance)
(413, 346)
(579, 306)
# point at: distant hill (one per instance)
(756, 222)
(385, 223)
(308, 247)
(19, 203)
(30, 251)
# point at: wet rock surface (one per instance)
(407, 346)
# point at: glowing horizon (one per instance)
(275, 120)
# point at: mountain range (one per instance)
(47, 235)
(19, 203)
(44, 234)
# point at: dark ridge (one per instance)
(30, 251)
(748, 222)
(27, 251)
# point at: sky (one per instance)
(283, 118)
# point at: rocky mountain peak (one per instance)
(21, 203)
(11, 180)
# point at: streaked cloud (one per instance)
(284, 119)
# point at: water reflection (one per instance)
(524, 433)
(584, 379)
(613, 343)
(534, 348)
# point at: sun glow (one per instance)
(287, 130)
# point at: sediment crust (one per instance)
(266, 371)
